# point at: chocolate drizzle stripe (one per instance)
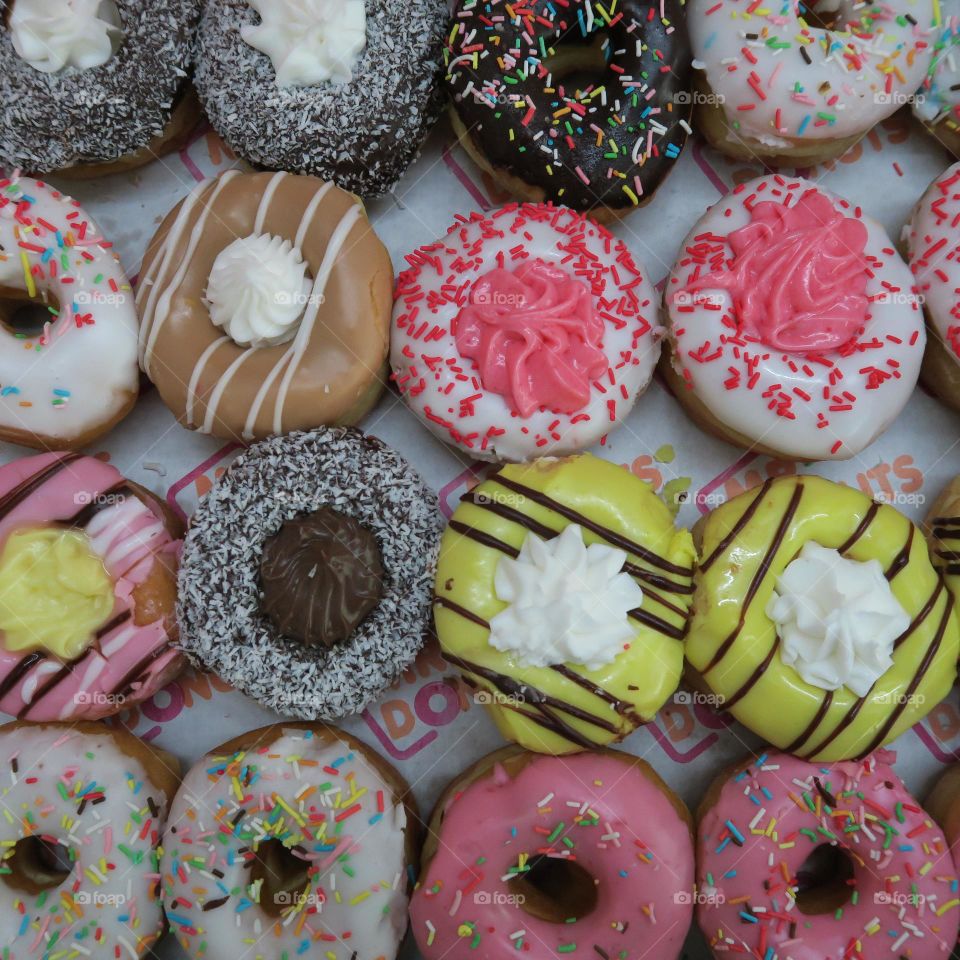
(762, 569)
(50, 684)
(137, 670)
(947, 523)
(903, 557)
(851, 715)
(19, 671)
(914, 684)
(550, 721)
(811, 727)
(101, 501)
(868, 518)
(751, 681)
(462, 611)
(611, 536)
(656, 623)
(483, 538)
(948, 554)
(23, 489)
(111, 625)
(738, 527)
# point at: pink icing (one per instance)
(132, 660)
(535, 337)
(751, 837)
(798, 277)
(624, 832)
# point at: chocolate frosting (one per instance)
(321, 575)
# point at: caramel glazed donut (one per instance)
(265, 302)
(515, 71)
(94, 87)
(351, 93)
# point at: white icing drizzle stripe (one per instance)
(195, 377)
(264, 205)
(221, 386)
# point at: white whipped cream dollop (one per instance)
(54, 34)
(568, 602)
(837, 619)
(258, 289)
(309, 41)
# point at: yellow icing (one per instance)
(54, 591)
(780, 706)
(643, 676)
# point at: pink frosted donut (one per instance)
(813, 861)
(539, 857)
(526, 332)
(87, 589)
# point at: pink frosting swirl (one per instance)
(799, 275)
(535, 337)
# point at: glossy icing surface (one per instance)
(121, 660)
(939, 96)
(752, 847)
(595, 809)
(565, 707)
(811, 404)
(449, 391)
(733, 644)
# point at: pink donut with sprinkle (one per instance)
(87, 589)
(806, 861)
(794, 325)
(525, 332)
(536, 856)
(933, 240)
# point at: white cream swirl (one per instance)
(837, 619)
(309, 41)
(568, 602)
(258, 289)
(54, 34)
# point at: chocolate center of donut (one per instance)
(37, 865)
(25, 316)
(284, 877)
(321, 575)
(824, 880)
(555, 890)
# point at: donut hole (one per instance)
(283, 876)
(577, 61)
(25, 317)
(38, 864)
(824, 880)
(555, 889)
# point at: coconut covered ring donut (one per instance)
(223, 624)
(93, 91)
(362, 125)
(265, 303)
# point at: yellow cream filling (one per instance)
(54, 591)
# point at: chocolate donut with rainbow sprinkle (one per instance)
(562, 595)
(819, 621)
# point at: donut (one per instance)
(562, 595)
(942, 527)
(571, 103)
(795, 86)
(88, 564)
(541, 856)
(934, 256)
(64, 298)
(300, 534)
(265, 307)
(794, 326)
(84, 806)
(804, 860)
(90, 87)
(936, 103)
(526, 332)
(346, 90)
(819, 621)
(295, 839)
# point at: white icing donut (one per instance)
(933, 240)
(807, 337)
(81, 793)
(779, 80)
(332, 809)
(81, 375)
(526, 332)
(939, 96)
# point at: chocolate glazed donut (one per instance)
(560, 103)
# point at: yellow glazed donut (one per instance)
(818, 620)
(562, 596)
